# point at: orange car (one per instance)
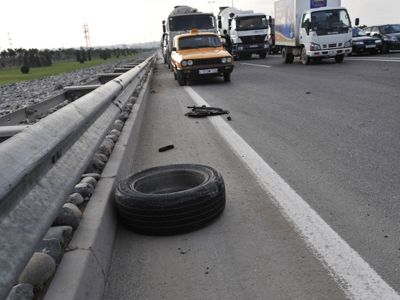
(200, 55)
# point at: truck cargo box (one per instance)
(287, 18)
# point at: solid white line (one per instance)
(255, 65)
(356, 278)
(374, 59)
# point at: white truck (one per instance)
(183, 19)
(312, 30)
(245, 32)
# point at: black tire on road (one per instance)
(305, 59)
(227, 77)
(181, 79)
(288, 58)
(170, 199)
(263, 55)
(385, 48)
(339, 58)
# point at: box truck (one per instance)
(183, 19)
(246, 32)
(312, 30)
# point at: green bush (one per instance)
(24, 69)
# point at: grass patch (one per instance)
(14, 75)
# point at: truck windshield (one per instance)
(328, 22)
(189, 22)
(251, 23)
(199, 41)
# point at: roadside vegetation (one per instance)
(19, 65)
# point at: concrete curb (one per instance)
(83, 271)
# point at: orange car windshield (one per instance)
(199, 41)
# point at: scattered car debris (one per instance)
(205, 111)
(166, 148)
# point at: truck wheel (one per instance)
(263, 55)
(305, 59)
(339, 58)
(227, 77)
(385, 48)
(287, 57)
(170, 199)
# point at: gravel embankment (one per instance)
(22, 94)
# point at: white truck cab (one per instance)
(312, 30)
(183, 19)
(246, 30)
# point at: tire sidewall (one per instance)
(128, 195)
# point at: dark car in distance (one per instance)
(389, 34)
(363, 43)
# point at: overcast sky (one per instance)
(56, 24)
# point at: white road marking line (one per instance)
(255, 65)
(356, 278)
(374, 59)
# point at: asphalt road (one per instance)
(331, 131)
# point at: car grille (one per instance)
(210, 61)
(369, 42)
(324, 46)
(253, 39)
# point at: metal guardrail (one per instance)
(17, 116)
(40, 166)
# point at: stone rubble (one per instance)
(51, 247)
(62, 233)
(70, 215)
(25, 93)
(22, 291)
(38, 271)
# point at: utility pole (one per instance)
(212, 2)
(87, 38)
(10, 44)
(86, 33)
